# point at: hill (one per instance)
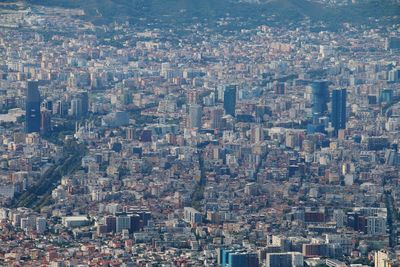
(179, 12)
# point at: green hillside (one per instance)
(177, 12)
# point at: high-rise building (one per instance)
(319, 94)
(146, 136)
(193, 97)
(130, 133)
(32, 108)
(111, 222)
(260, 111)
(209, 100)
(320, 98)
(40, 225)
(338, 114)
(394, 75)
(286, 259)
(230, 99)
(382, 259)
(256, 134)
(135, 222)
(216, 115)
(238, 258)
(392, 42)
(60, 108)
(126, 97)
(279, 88)
(84, 102)
(386, 95)
(192, 216)
(243, 259)
(76, 107)
(48, 104)
(45, 121)
(195, 115)
(123, 222)
(376, 225)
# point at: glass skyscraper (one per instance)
(230, 100)
(320, 98)
(338, 114)
(195, 114)
(238, 258)
(32, 108)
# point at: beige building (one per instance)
(382, 259)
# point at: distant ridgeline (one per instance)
(175, 13)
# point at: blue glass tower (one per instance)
(320, 98)
(32, 108)
(243, 259)
(238, 258)
(85, 102)
(386, 95)
(230, 100)
(338, 114)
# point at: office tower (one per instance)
(130, 133)
(256, 134)
(372, 100)
(32, 108)
(84, 97)
(238, 258)
(126, 97)
(386, 95)
(376, 225)
(135, 222)
(209, 100)
(279, 88)
(392, 42)
(48, 104)
(193, 97)
(123, 222)
(285, 259)
(145, 217)
(243, 259)
(230, 99)
(111, 222)
(45, 121)
(338, 114)
(220, 93)
(382, 259)
(195, 114)
(216, 115)
(391, 157)
(190, 215)
(60, 108)
(339, 216)
(76, 108)
(320, 98)
(260, 111)
(40, 225)
(24, 224)
(146, 136)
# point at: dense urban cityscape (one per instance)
(271, 145)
